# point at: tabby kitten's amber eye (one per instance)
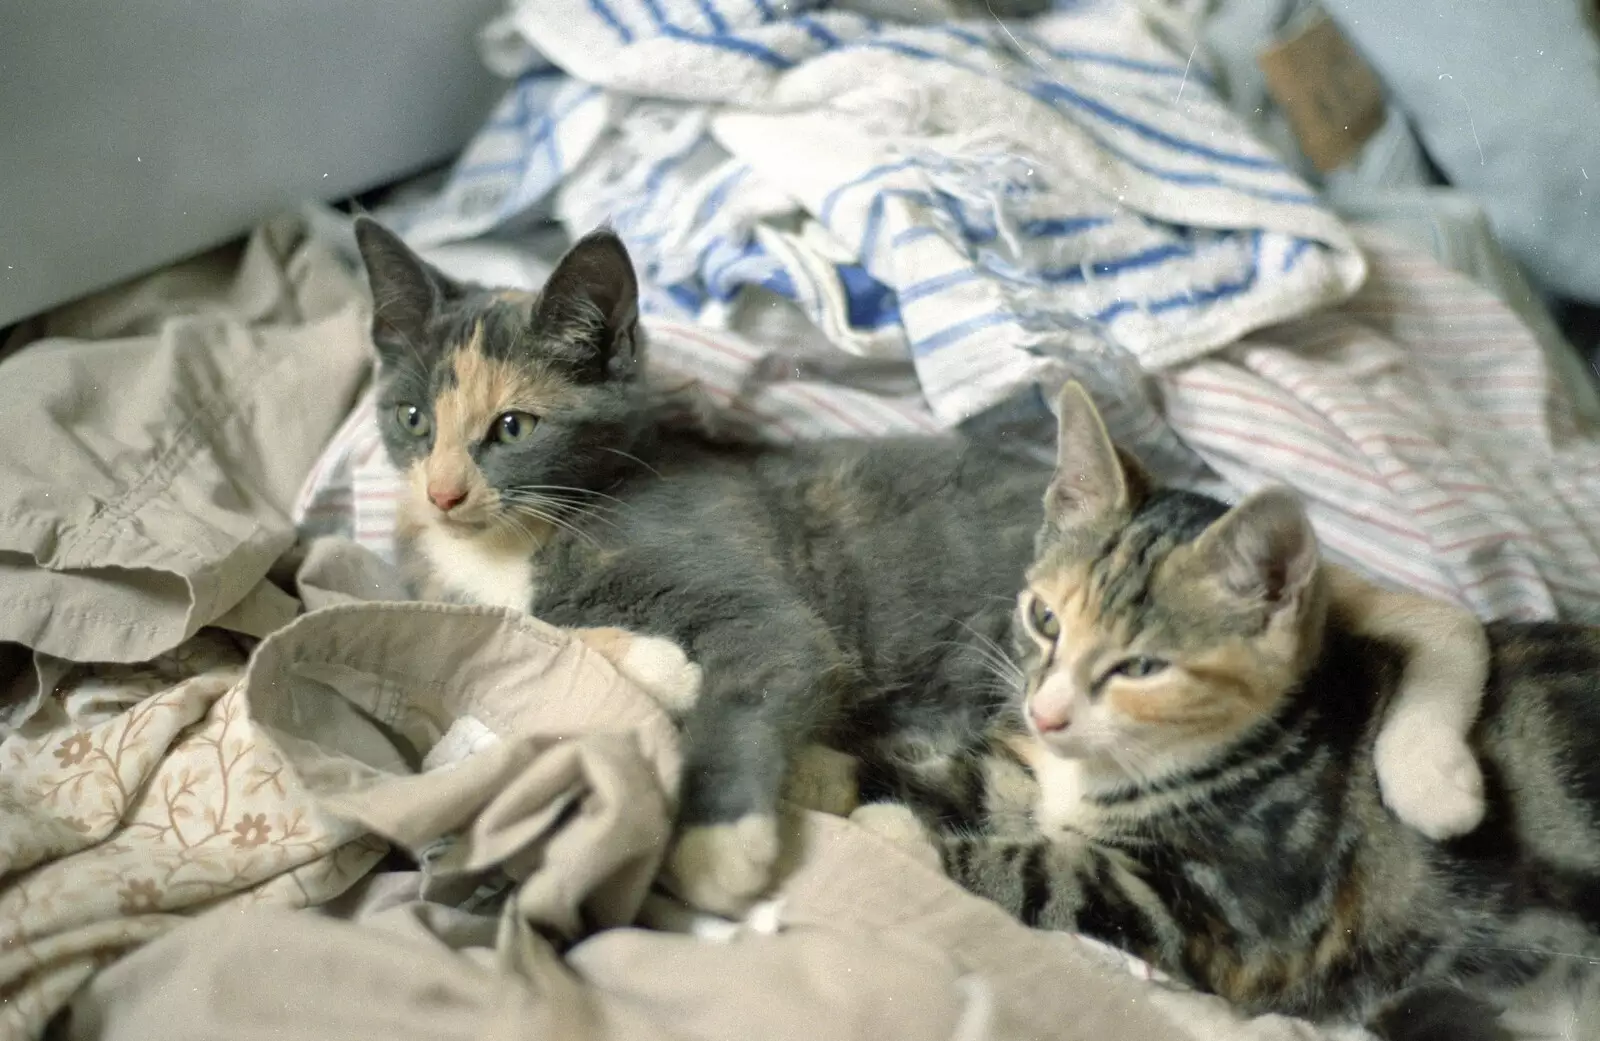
(1138, 667)
(1043, 621)
(511, 427)
(413, 419)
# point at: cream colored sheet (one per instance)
(552, 774)
(155, 437)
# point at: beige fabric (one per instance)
(155, 439)
(169, 790)
(153, 795)
(868, 945)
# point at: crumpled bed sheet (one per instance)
(189, 841)
(156, 438)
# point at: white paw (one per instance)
(654, 664)
(664, 671)
(723, 868)
(1429, 779)
(898, 825)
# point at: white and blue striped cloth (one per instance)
(1001, 202)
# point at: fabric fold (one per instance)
(869, 944)
(986, 199)
(158, 435)
(146, 794)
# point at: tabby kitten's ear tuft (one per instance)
(1264, 549)
(406, 292)
(589, 311)
(1092, 479)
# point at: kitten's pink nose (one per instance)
(446, 497)
(1047, 719)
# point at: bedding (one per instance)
(219, 717)
(157, 436)
(165, 819)
(972, 194)
(1390, 180)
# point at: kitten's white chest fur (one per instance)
(1061, 804)
(479, 570)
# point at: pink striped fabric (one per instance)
(1417, 420)
(1419, 423)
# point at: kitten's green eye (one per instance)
(1043, 620)
(1138, 667)
(413, 419)
(511, 427)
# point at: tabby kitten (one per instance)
(1204, 716)
(844, 592)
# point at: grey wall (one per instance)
(134, 132)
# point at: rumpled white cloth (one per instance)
(977, 195)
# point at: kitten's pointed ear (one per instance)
(1264, 549)
(1092, 478)
(589, 310)
(406, 291)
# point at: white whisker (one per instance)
(630, 455)
(541, 488)
(994, 654)
(557, 508)
(554, 520)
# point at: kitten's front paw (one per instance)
(1430, 779)
(657, 665)
(664, 671)
(724, 868)
(897, 824)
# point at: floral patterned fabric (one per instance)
(144, 794)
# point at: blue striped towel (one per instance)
(1000, 202)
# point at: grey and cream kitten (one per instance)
(844, 592)
(1204, 717)
(849, 593)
